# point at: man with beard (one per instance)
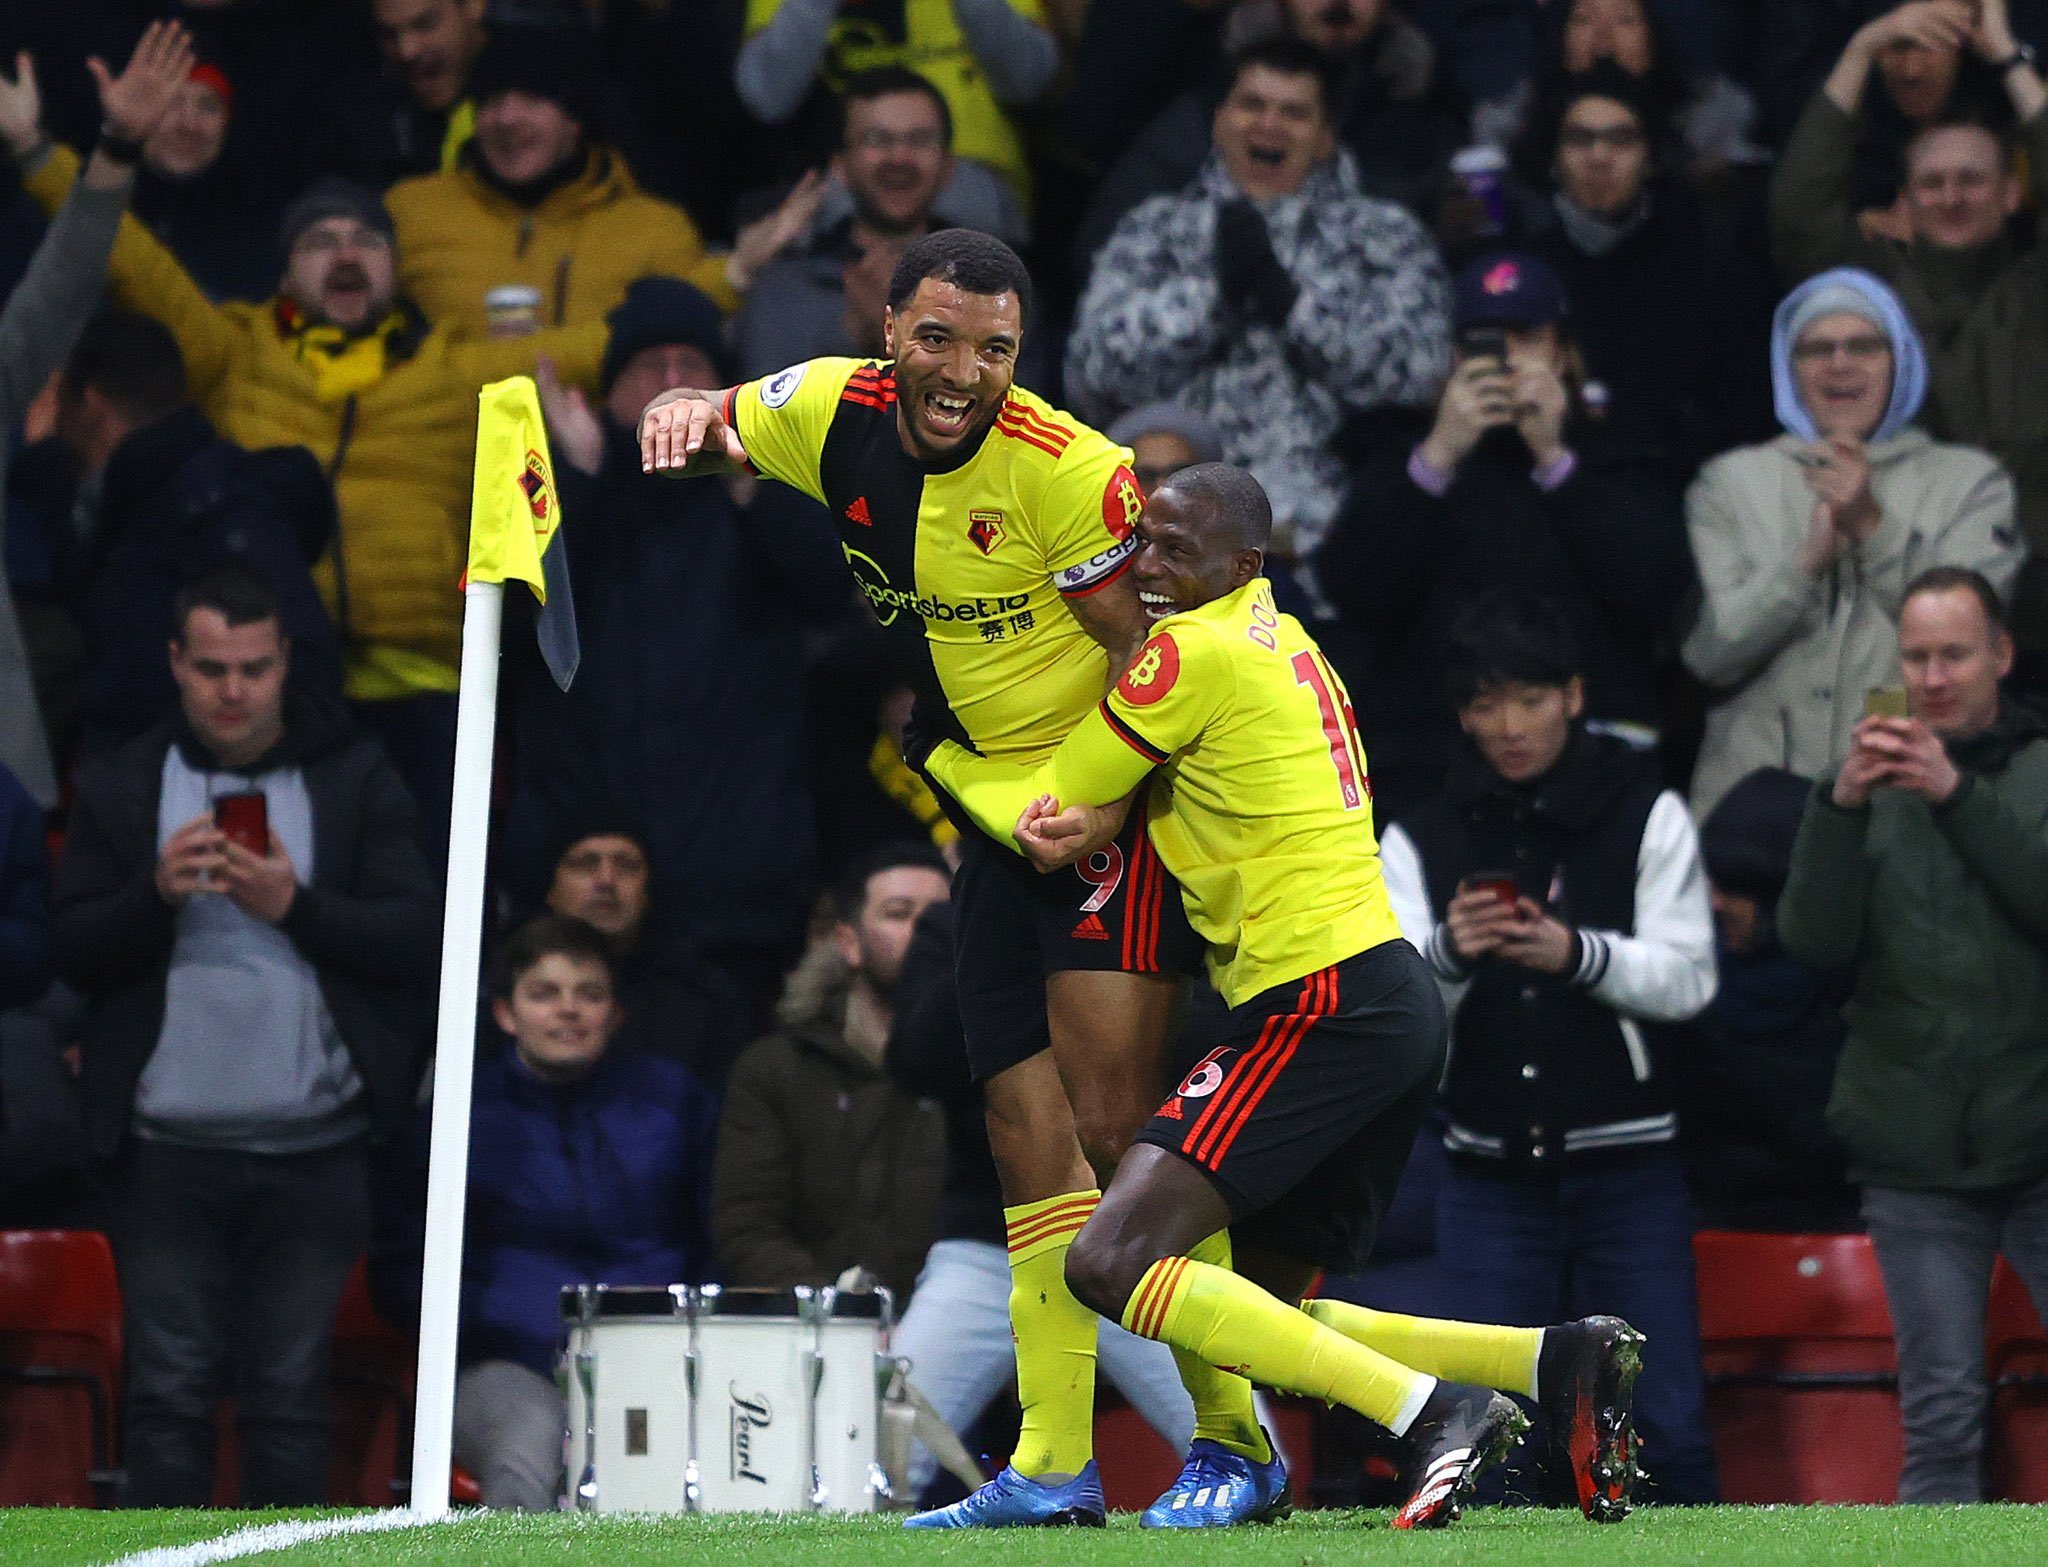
(991, 535)
(823, 1163)
(895, 157)
(341, 363)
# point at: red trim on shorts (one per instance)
(1240, 1093)
(1142, 905)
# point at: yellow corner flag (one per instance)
(515, 516)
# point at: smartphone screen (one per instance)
(244, 819)
(1885, 702)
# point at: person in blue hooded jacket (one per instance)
(587, 1165)
(1804, 544)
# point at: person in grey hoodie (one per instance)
(1805, 543)
(48, 308)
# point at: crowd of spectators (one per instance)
(1650, 397)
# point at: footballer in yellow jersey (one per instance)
(992, 536)
(1294, 1130)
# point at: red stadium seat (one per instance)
(60, 1367)
(372, 1384)
(2017, 1349)
(1802, 1376)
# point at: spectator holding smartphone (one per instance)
(1509, 484)
(1923, 863)
(1555, 889)
(1805, 543)
(255, 1021)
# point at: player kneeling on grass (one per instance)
(1292, 1134)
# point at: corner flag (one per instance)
(515, 516)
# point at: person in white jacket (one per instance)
(1556, 891)
(1805, 543)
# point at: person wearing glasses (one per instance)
(1805, 543)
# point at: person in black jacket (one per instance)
(1555, 889)
(688, 707)
(258, 1006)
(1508, 485)
(956, 1334)
(168, 499)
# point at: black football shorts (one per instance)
(1117, 910)
(1304, 1115)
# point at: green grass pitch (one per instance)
(1713, 1537)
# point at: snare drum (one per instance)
(629, 1397)
(726, 1400)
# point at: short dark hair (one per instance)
(235, 590)
(971, 261)
(547, 936)
(850, 891)
(1234, 498)
(132, 361)
(886, 81)
(1961, 579)
(1288, 55)
(1508, 636)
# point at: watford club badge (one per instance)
(540, 494)
(985, 530)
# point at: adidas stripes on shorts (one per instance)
(1305, 1113)
(1116, 910)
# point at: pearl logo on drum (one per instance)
(747, 1414)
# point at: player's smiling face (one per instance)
(1185, 558)
(956, 360)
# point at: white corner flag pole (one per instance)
(476, 712)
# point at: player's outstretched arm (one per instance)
(684, 435)
(1093, 771)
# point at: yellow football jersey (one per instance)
(964, 565)
(1262, 806)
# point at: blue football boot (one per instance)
(1010, 1501)
(1218, 1488)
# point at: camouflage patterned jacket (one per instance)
(1370, 327)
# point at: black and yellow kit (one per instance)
(1262, 807)
(965, 565)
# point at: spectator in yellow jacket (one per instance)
(536, 202)
(340, 362)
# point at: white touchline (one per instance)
(257, 1538)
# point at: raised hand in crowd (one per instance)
(865, 283)
(767, 237)
(1480, 396)
(136, 101)
(1844, 511)
(573, 426)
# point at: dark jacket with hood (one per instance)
(368, 923)
(823, 1163)
(1548, 1070)
(1943, 910)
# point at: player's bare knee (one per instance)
(1103, 1271)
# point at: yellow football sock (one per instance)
(1475, 1352)
(1055, 1337)
(1232, 1323)
(1223, 1400)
